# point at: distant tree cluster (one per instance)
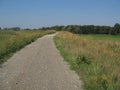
(13, 28)
(116, 29)
(89, 29)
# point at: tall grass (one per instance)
(11, 41)
(97, 61)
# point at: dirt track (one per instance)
(38, 66)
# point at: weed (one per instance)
(83, 59)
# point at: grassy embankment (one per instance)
(12, 41)
(96, 59)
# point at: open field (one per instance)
(103, 37)
(11, 41)
(95, 58)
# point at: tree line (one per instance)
(87, 29)
(79, 29)
(90, 29)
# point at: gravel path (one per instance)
(38, 66)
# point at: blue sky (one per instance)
(39, 13)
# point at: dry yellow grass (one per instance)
(97, 61)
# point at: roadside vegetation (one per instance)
(12, 41)
(96, 58)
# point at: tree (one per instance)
(5, 28)
(116, 29)
(27, 29)
(15, 28)
(77, 30)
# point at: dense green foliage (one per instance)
(88, 29)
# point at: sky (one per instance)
(39, 13)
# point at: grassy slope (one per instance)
(11, 41)
(97, 61)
